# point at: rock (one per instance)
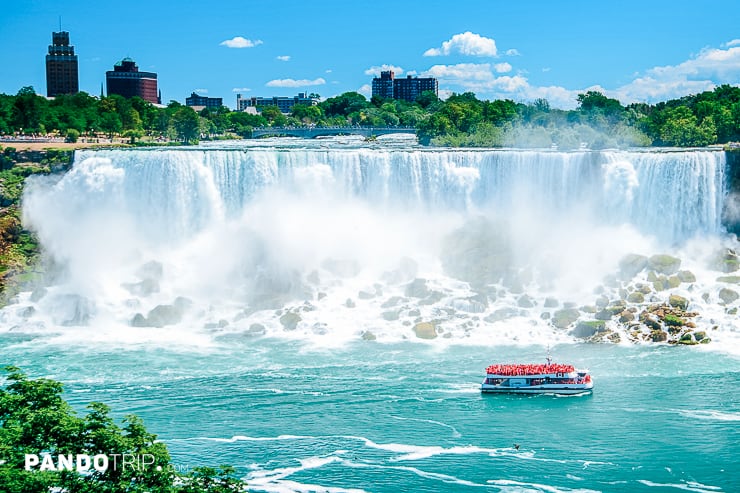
(545, 315)
(390, 315)
(525, 301)
(603, 315)
(349, 303)
(73, 310)
(256, 330)
(551, 303)
(290, 320)
(636, 297)
(472, 304)
(162, 315)
(602, 302)
(726, 261)
(142, 288)
(728, 295)
(664, 264)
(687, 339)
(658, 335)
(686, 276)
(589, 309)
(700, 335)
(631, 265)
(392, 301)
(368, 336)
(729, 279)
(414, 312)
(139, 320)
(644, 288)
(563, 318)
(38, 293)
(652, 277)
(434, 297)
(417, 289)
(588, 328)
(425, 330)
(672, 320)
(677, 301)
(365, 295)
(674, 282)
(501, 314)
(626, 316)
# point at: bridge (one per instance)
(312, 132)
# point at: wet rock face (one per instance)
(664, 264)
(425, 330)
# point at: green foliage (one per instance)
(35, 419)
(72, 135)
(186, 124)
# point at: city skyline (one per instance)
(647, 51)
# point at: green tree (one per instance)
(35, 419)
(186, 124)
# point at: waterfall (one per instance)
(344, 240)
(175, 193)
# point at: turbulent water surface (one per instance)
(271, 306)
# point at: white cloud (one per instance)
(734, 42)
(466, 43)
(295, 83)
(702, 72)
(412, 73)
(513, 52)
(283, 58)
(241, 89)
(328, 71)
(502, 67)
(240, 42)
(375, 70)
(546, 69)
(201, 91)
(365, 90)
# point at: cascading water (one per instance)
(336, 239)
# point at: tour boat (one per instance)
(550, 378)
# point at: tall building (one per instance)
(408, 89)
(61, 66)
(285, 104)
(383, 85)
(126, 80)
(199, 102)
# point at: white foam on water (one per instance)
(687, 486)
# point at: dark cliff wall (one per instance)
(731, 210)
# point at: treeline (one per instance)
(712, 117)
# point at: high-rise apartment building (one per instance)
(408, 89)
(284, 104)
(126, 80)
(61, 66)
(199, 102)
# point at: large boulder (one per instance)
(290, 320)
(562, 319)
(677, 301)
(586, 329)
(632, 264)
(664, 264)
(417, 289)
(728, 295)
(425, 330)
(73, 310)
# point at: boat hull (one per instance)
(534, 390)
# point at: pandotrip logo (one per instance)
(84, 463)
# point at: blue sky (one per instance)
(647, 50)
